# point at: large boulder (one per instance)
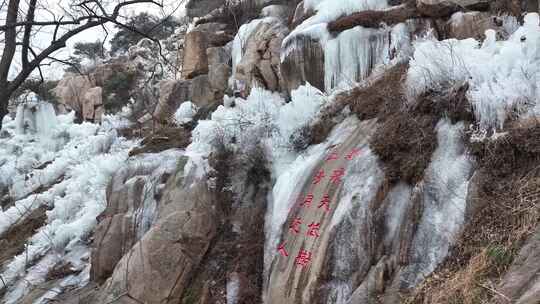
(131, 199)
(303, 61)
(202, 92)
(470, 25)
(218, 77)
(172, 94)
(92, 104)
(219, 66)
(158, 268)
(260, 60)
(195, 62)
(71, 89)
(199, 8)
(217, 34)
(521, 283)
(218, 56)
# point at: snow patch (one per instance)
(185, 112)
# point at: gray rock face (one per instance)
(172, 94)
(470, 25)
(300, 14)
(521, 283)
(157, 268)
(202, 92)
(259, 65)
(199, 8)
(303, 62)
(92, 105)
(195, 62)
(276, 11)
(128, 215)
(218, 77)
(218, 56)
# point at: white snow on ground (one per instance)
(504, 75)
(47, 160)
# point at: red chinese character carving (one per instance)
(307, 201)
(303, 258)
(337, 175)
(295, 225)
(314, 229)
(333, 156)
(354, 152)
(317, 179)
(325, 202)
(282, 251)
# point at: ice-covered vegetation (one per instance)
(504, 76)
(49, 161)
(263, 119)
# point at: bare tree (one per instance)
(21, 25)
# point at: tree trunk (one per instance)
(4, 102)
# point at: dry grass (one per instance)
(378, 97)
(162, 139)
(13, 240)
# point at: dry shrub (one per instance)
(404, 144)
(503, 156)
(380, 97)
(377, 97)
(61, 270)
(406, 138)
(164, 138)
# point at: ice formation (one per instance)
(444, 196)
(47, 160)
(504, 76)
(352, 54)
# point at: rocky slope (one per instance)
(300, 152)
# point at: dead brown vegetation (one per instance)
(376, 98)
(374, 19)
(13, 240)
(61, 270)
(164, 138)
(406, 138)
(405, 143)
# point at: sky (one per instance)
(42, 38)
